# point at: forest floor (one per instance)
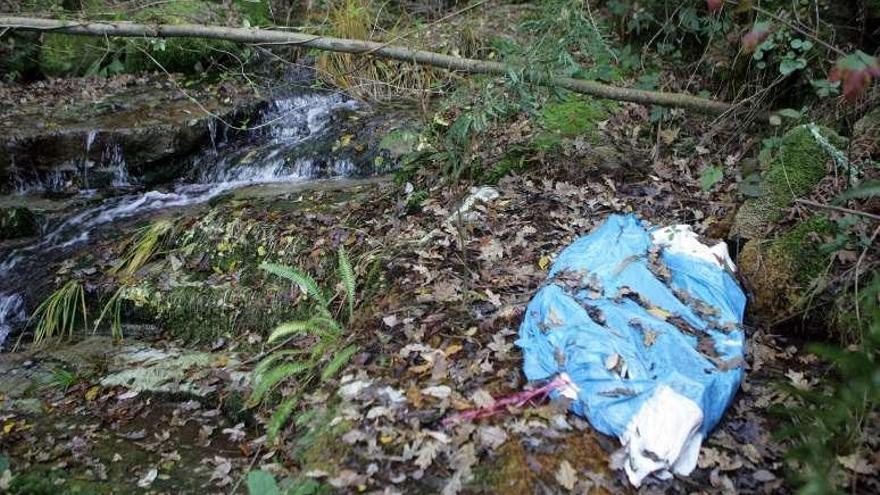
(436, 336)
(439, 303)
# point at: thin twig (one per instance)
(840, 209)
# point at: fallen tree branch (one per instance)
(821, 206)
(404, 54)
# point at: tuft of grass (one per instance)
(113, 307)
(369, 78)
(142, 248)
(60, 313)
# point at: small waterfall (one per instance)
(11, 312)
(86, 163)
(113, 159)
(212, 132)
(270, 154)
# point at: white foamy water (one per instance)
(11, 311)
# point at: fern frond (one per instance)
(301, 278)
(273, 377)
(273, 358)
(280, 416)
(338, 362)
(316, 325)
(346, 274)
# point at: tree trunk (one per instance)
(268, 36)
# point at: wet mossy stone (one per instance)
(795, 167)
(782, 271)
(18, 222)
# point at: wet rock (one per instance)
(138, 366)
(93, 141)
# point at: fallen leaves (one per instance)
(566, 476)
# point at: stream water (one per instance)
(280, 149)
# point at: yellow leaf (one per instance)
(92, 393)
(660, 313)
(386, 439)
(544, 262)
(8, 426)
(454, 348)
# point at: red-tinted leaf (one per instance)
(756, 36)
(714, 5)
(855, 71)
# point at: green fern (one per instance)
(302, 279)
(280, 416)
(325, 357)
(340, 360)
(316, 325)
(346, 275)
(270, 379)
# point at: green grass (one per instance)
(60, 313)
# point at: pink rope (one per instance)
(501, 404)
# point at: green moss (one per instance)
(794, 165)
(798, 165)
(574, 116)
(783, 270)
(802, 244)
(204, 313)
(514, 161)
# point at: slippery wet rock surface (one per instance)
(58, 128)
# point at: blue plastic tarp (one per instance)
(628, 312)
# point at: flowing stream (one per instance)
(271, 153)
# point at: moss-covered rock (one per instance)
(783, 271)
(18, 222)
(796, 165)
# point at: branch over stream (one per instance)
(360, 47)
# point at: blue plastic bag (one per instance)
(645, 324)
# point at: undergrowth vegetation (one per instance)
(831, 429)
(60, 314)
(329, 348)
